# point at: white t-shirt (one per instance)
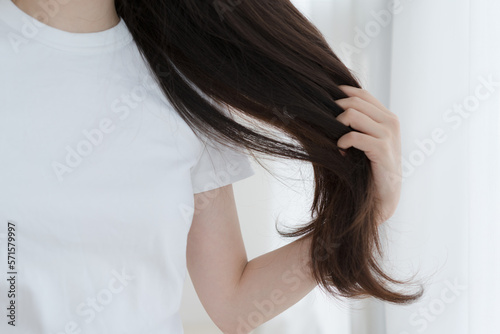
(97, 176)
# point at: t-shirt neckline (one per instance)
(29, 28)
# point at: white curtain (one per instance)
(436, 64)
(445, 85)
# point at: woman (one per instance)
(120, 145)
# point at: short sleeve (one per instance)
(219, 166)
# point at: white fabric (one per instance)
(446, 87)
(97, 176)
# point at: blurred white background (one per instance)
(436, 64)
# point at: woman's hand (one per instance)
(379, 137)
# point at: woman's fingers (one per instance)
(378, 121)
(365, 107)
(366, 143)
(376, 128)
(361, 122)
(365, 96)
(378, 136)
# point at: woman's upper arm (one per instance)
(216, 255)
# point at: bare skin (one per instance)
(238, 294)
(79, 16)
(230, 287)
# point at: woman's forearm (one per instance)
(270, 284)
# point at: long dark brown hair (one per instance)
(265, 61)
